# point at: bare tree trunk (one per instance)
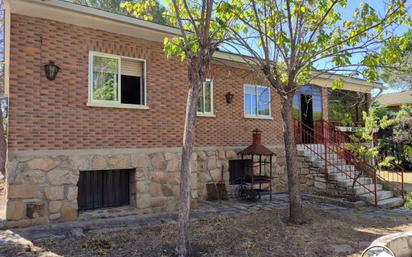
(3, 145)
(3, 156)
(295, 199)
(183, 244)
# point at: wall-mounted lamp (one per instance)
(51, 70)
(229, 97)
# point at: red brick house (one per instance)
(117, 106)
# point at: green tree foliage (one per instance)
(292, 36)
(201, 32)
(398, 65)
(393, 137)
(408, 201)
(105, 92)
(291, 42)
(150, 10)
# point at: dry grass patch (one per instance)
(255, 235)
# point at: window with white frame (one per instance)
(116, 80)
(205, 103)
(257, 101)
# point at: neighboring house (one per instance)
(107, 131)
(394, 101)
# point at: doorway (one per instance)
(306, 114)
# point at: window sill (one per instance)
(121, 106)
(205, 115)
(259, 117)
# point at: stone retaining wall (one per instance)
(42, 186)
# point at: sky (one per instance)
(379, 6)
(347, 14)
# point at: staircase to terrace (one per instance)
(345, 173)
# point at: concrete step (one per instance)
(390, 202)
(340, 166)
(363, 189)
(342, 171)
(341, 176)
(348, 182)
(311, 158)
(300, 152)
(381, 194)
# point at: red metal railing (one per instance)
(333, 141)
(329, 153)
(392, 177)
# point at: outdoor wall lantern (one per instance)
(229, 97)
(51, 70)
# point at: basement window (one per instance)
(103, 188)
(116, 81)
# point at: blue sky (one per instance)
(347, 14)
(379, 6)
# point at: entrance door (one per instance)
(306, 114)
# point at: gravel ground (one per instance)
(327, 233)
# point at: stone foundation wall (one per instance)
(42, 185)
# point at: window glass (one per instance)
(200, 103)
(116, 80)
(205, 102)
(250, 100)
(208, 96)
(346, 107)
(312, 93)
(263, 100)
(257, 101)
(105, 78)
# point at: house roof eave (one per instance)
(85, 16)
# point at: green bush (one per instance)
(408, 201)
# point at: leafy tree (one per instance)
(395, 139)
(107, 5)
(292, 42)
(393, 133)
(152, 10)
(200, 36)
(397, 71)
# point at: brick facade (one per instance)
(54, 135)
(53, 114)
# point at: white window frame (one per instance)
(114, 104)
(257, 116)
(212, 100)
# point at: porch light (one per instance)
(229, 97)
(51, 70)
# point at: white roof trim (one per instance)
(84, 16)
(104, 14)
(331, 76)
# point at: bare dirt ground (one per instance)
(254, 235)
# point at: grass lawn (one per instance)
(262, 234)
